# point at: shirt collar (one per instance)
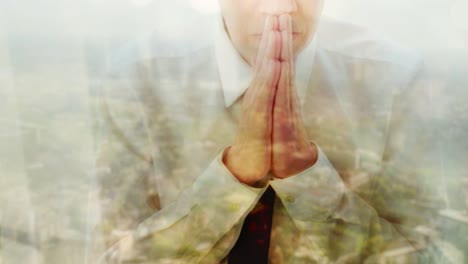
(236, 74)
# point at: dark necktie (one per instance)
(254, 240)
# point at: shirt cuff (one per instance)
(313, 194)
(223, 199)
(217, 181)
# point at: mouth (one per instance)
(295, 35)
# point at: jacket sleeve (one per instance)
(189, 228)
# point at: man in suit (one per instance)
(287, 141)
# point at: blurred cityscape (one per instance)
(48, 133)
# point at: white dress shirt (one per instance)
(172, 118)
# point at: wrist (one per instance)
(250, 176)
(300, 162)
